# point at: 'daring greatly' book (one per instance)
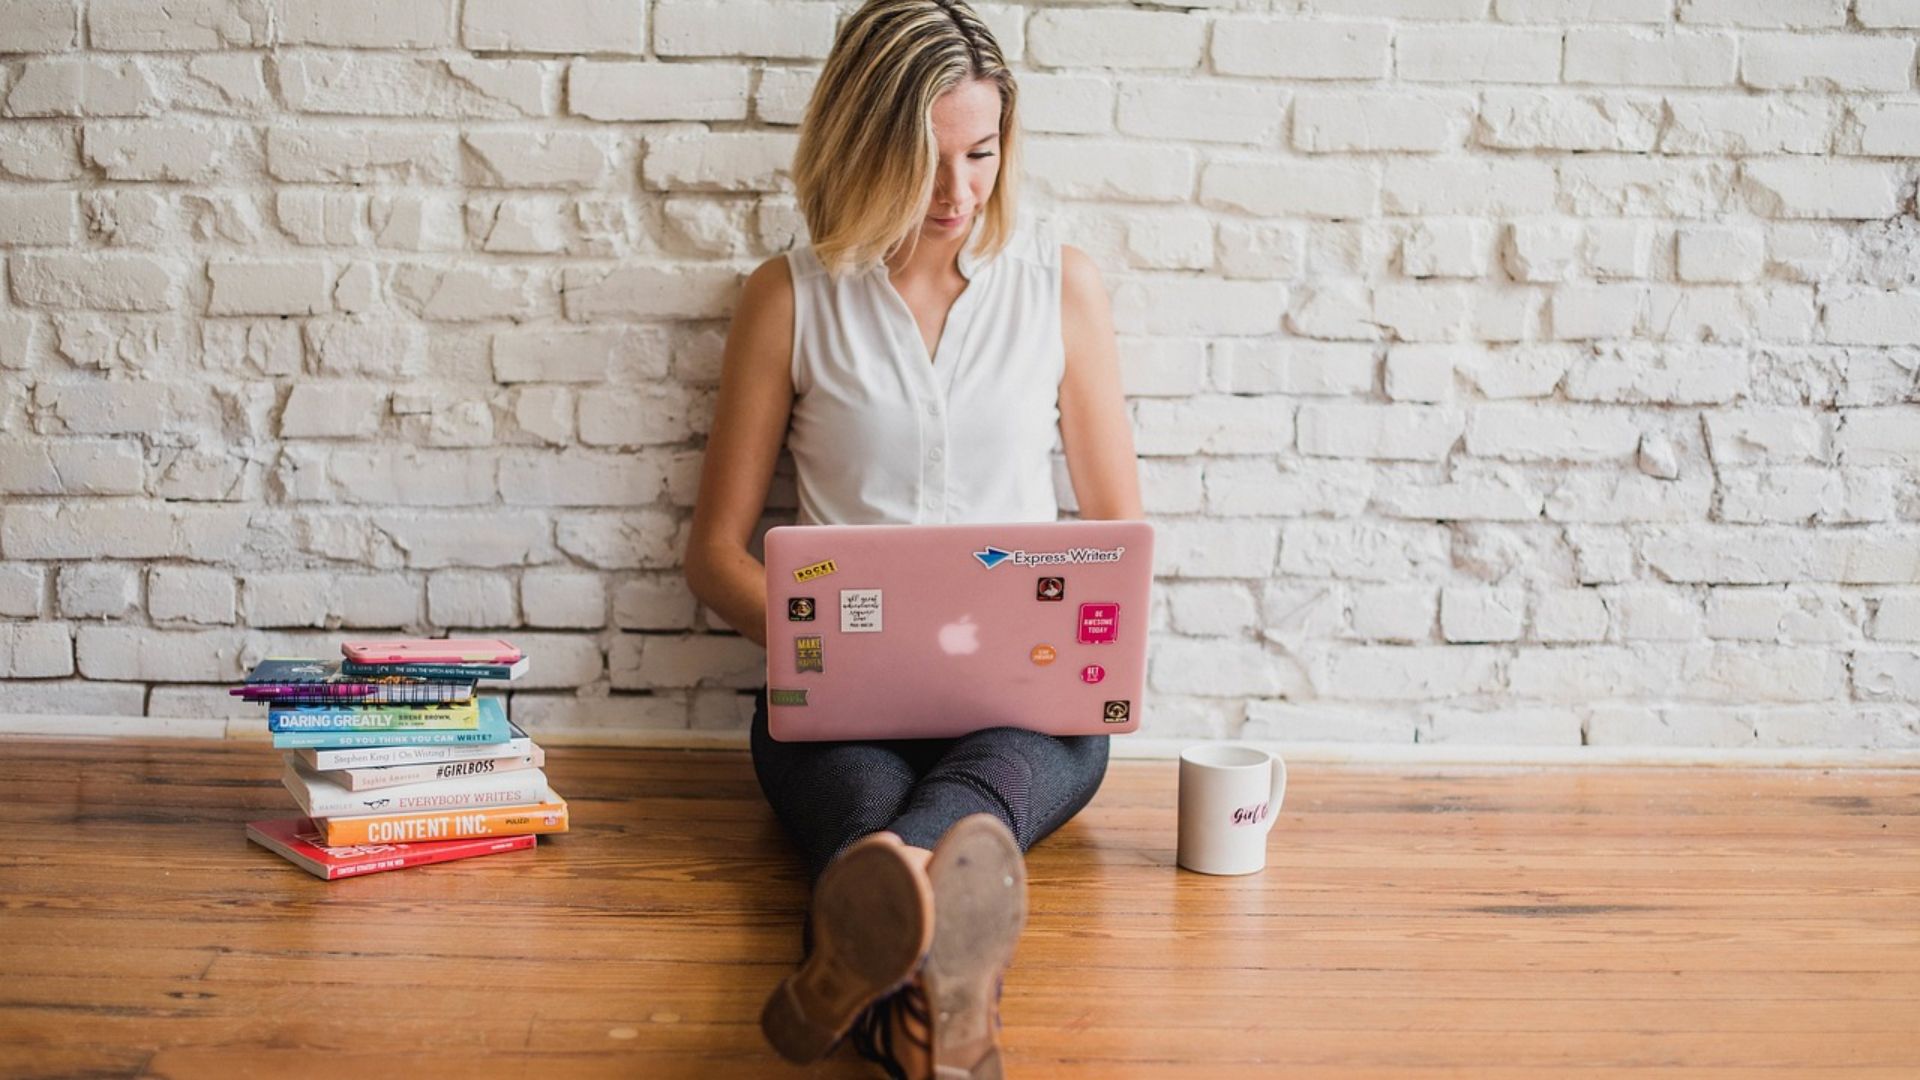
(549, 815)
(282, 716)
(299, 841)
(373, 757)
(492, 729)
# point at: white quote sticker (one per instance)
(859, 611)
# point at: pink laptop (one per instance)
(931, 631)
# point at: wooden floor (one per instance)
(1413, 922)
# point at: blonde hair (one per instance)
(864, 169)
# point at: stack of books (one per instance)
(397, 759)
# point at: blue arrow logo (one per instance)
(992, 557)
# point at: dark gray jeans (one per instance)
(829, 794)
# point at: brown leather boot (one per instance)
(872, 923)
(980, 906)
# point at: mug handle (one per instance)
(1279, 791)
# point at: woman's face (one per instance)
(966, 124)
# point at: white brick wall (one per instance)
(1537, 372)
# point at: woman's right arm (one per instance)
(749, 426)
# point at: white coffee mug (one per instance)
(1229, 799)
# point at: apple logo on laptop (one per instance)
(960, 638)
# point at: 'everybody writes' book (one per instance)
(492, 729)
(298, 841)
(319, 796)
(329, 717)
(549, 815)
(373, 779)
(372, 757)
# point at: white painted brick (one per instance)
(155, 150)
(1312, 189)
(122, 531)
(1296, 613)
(270, 288)
(1652, 613)
(35, 26)
(648, 292)
(632, 91)
(1527, 371)
(1613, 497)
(536, 158)
(72, 697)
(1748, 674)
(1624, 57)
(1398, 613)
(1498, 495)
(1396, 432)
(369, 600)
(1211, 609)
(1759, 556)
(1320, 722)
(1286, 488)
(1887, 13)
(1489, 54)
(40, 218)
(1569, 615)
(1532, 433)
(1776, 14)
(1887, 675)
(1874, 318)
(654, 602)
(97, 590)
(17, 336)
(1375, 122)
(533, 478)
(326, 410)
(96, 281)
(554, 26)
(1219, 549)
(1050, 103)
(1782, 616)
(1789, 188)
(731, 161)
(1364, 551)
(1827, 61)
(1802, 495)
(648, 417)
(1594, 673)
(1636, 184)
(326, 155)
(1887, 436)
(1258, 249)
(495, 538)
(1213, 425)
(23, 590)
(128, 652)
(460, 599)
(1475, 614)
(1713, 253)
(1219, 669)
(1097, 169)
(39, 152)
(191, 594)
(1667, 725)
(1409, 673)
(760, 28)
(1558, 120)
(133, 26)
(1162, 367)
(72, 467)
(1447, 248)
(1766, 436)
(1187, 109)
(1504, 727)
(1293, 367)
(352, 84)
(1898, 617)
(369, 24)
(1426, 185)
(1064, 38)
(1420, 373)
(649, 661)
(1301, 48)
(1877, 727)
(1747, 126)
(36, 650)
(285, 599)
(84, 87)
(1601, 555)
(346, 347)
(1165, 304)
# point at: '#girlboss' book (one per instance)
(386, 776)
(299, 842)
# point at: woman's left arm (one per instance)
(1094, 428)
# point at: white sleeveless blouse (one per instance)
(881, 436)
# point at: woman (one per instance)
(918, 357)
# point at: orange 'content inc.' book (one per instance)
(549, 815)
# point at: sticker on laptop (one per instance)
(817, 570)
(1092, 673)
(1042, 655)
(993, 556)
(1117, 712)
(1051, 588)
(786, 697)
(800, 609)
(1099, 624)
(859, 611)
(808, 655)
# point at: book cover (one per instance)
(492, 729)
(342, 717)
(549, 815)
(375, 779)
(371, 757)
(431, 651)
(491, 672)
(302, 679)
(320, 796)
(299, 841)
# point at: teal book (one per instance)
(493, 729)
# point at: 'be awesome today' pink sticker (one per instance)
(1099, 623)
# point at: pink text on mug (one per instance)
(1250, 815)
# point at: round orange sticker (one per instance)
(1042, 655)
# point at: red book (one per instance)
(298, 841)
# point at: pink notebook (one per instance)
(930, 631)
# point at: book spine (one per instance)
(376, 718)
(425, 773)
(460, 672)
(427, 854)
(340, 740)
(324, 799)
(383, 756)
(451, 825)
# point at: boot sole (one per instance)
(980, 896)
(873, 922)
